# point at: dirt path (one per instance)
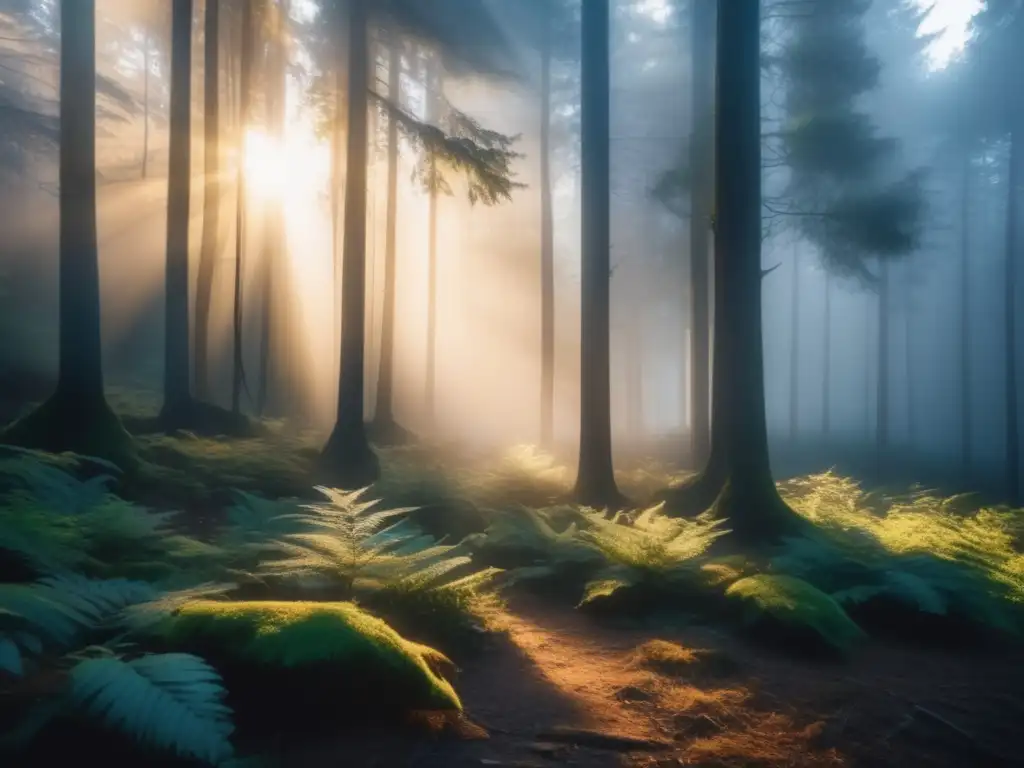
(562, 690)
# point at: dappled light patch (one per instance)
(674, 660)
(955, 567)
(522, 475)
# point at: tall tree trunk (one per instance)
(882, 382)
(794, 349)
(595, 481)
(347, 456)
(244, 88)
(547, 252)
(965, 318)
(384, 415)
(738, 468)
(703, 169)
(177, 390)
(434, 97)
(145, 105)
(211, 198)
(338, 159)
(826, 377)
(76, 417)
(1010, 299)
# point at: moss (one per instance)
(361, 654)
(203, 473)
(792, 610)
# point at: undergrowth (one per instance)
(88, 578)
(87, 575)
(348, 549)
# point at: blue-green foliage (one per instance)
(927, 553)
(168, 701)
(171, 701)
(73, 628)
(351, 546)
(796, 604)
(51, 521)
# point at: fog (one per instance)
(488, 391)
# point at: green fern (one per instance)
(528, 539)
(855, 567)
(47, 478)
(651, 541)
(648, 547)
(173, 702)
(169, 701)
(52, 522)
(359, 549)
(794, 603)
(57, 612)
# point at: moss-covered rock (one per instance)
(333, 655)
(797, 614)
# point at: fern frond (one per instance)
(170, 701)
(796, 603)
(140, 616)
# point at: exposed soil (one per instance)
(564, 690)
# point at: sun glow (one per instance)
(276, 169)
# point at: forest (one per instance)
(290, 476)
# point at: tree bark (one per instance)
(702, 165)
(76, 417)
(211, 199)
(547, 252)
(81, 358)
(177, 390)
(347, 457)
(384, 415)
(738, 469)
(338, 158)
(595, 480)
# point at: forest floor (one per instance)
(555, 686)
(560, 688)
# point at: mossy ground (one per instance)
(714, 696)
(337, 659)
